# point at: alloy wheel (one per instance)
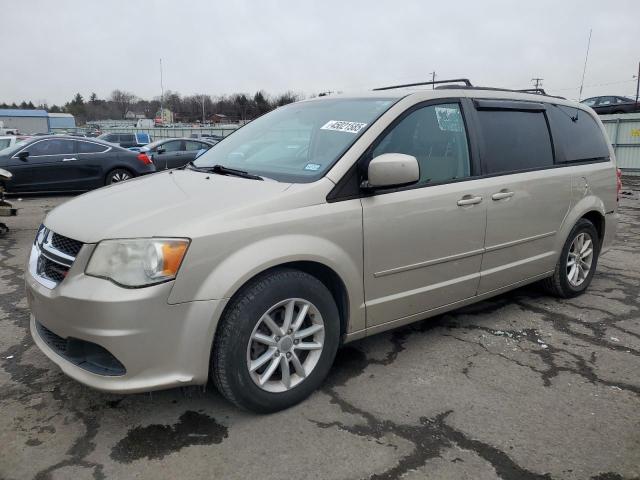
(285, 345)
(580, 259)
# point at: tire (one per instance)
(560, 284)
(118, 175)
(234, 350)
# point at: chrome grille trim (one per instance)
(44, 253)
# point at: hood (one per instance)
(176, 203)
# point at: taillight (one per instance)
(144, 158)
(618, 183)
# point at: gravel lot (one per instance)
(523, 386)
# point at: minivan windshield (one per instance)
(299, 142)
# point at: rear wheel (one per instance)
(118, 175)
(577, 263)
(276, 341)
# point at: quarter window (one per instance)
(514, 141)
(577, 134)
(436, 136)
(53, 146)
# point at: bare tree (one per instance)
(123, 100)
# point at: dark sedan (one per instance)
(612, 104)
(176, 152)
(58, 163)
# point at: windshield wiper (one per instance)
(222, 170)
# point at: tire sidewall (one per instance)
(261, 300)
(583, 226)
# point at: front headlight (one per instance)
(138, 262)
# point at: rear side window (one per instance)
(195, 146)
(89, 147)
(514, 141)
(577, 134)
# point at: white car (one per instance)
(7, 141)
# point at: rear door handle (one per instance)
(502, 195)
(73, 159)
(469, 200)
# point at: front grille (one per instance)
(52, 256)
(52, 270)
(66, 245)
(86, 355)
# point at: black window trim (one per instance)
(348, 187)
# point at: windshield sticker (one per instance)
(312, 166)
(342, 126)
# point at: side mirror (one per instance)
(23, 155)
(392, 170)
(160, 150)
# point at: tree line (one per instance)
(185, 108)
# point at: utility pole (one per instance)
(637, 83)
(433, 79)
(161, 95)
(203, 110)
(538, 82)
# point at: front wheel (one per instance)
(577, 263)
(276, 341)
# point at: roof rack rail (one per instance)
(533, 90)
(436, 82)
(536, 91)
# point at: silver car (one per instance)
(320, 223)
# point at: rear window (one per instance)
(514, 141)
(576, 134)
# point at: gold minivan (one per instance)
(317, 224)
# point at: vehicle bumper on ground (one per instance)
(121, 340)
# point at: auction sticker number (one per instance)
(343, 126)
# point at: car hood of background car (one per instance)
(178, 203)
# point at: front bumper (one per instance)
(159, 345)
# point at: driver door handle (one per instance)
(469, 200)
(502, 195)
(72, 159)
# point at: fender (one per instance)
(246, 262)
(589, 203)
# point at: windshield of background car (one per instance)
(299, 142)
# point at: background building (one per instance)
(61, 121)
(26, 121)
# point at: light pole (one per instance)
(203, 110)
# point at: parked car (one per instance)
(61, 163)
(176, 152)
(250, 269)
(207, 136)
(7, 141)
(612, 104)
(126, 140)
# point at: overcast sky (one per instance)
(54, 49)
